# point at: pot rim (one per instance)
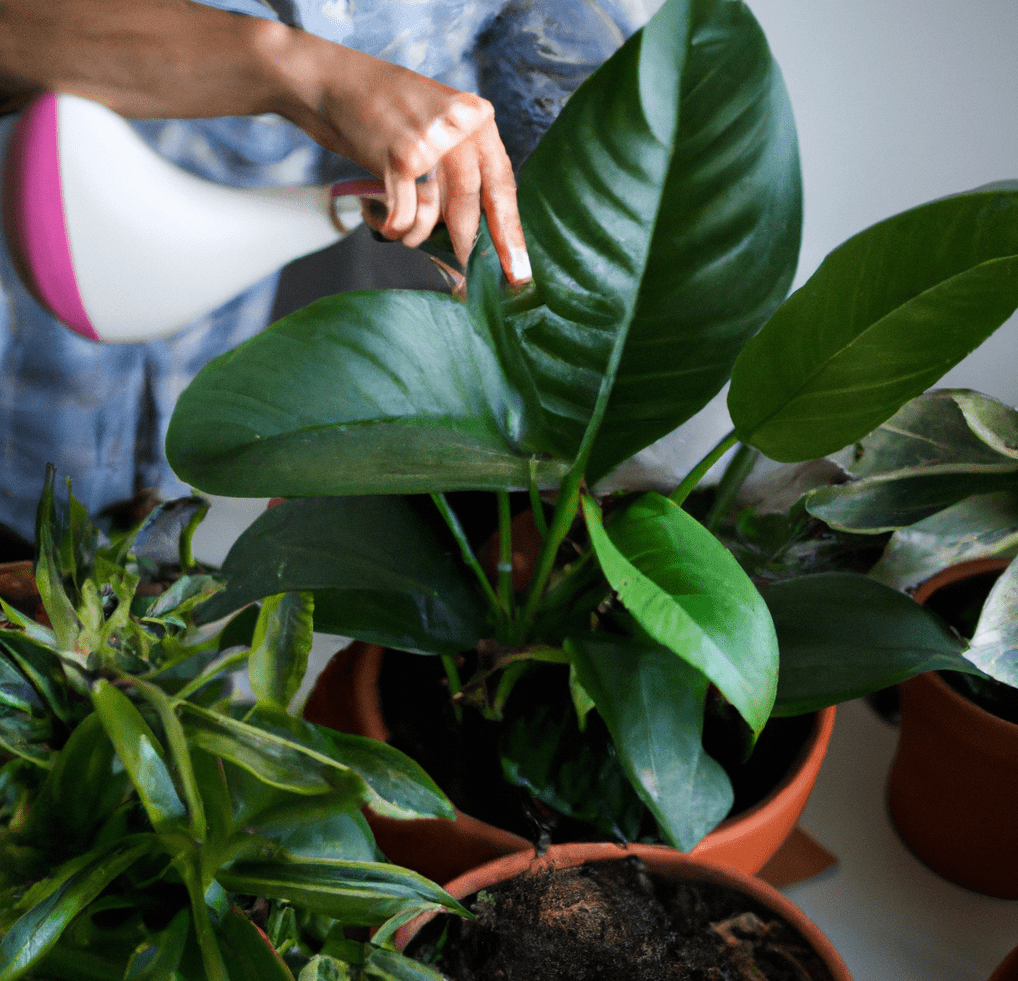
(958, 572)
(659, 858)
(802, 771)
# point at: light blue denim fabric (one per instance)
(99, 412)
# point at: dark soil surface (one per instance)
(615, 921)
(463, 756)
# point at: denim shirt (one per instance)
(99, 412)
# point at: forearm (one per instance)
(142, 58)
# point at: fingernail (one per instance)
(519, 265)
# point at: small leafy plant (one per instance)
(152, 827)
(663, 212)
(940, 480)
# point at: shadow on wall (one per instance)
(357, 262)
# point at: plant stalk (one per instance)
(738, 469)
(690, 481)
(471, 561)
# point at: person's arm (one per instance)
(182, 59)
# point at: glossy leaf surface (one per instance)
(842, 636)
(882, 319)
(672, 233)
(688, 592)
(662, 207)
(359, 393)
(653, 705)
(398, 583)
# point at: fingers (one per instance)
(469, 173)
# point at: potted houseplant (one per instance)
(662, 211)
(940, 478)
(150, 826)
(592, 911)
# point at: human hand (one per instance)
(402, 126)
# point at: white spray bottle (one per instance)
(121, 245)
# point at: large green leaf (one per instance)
(356, 893)
(359, 393)
(688, 592)
(664, 204)
(842, 636)
(653, 705)
(937, 450)
(994, 645)
(662, 211)
(396, 583)
(885, 316)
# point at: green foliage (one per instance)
(146, 817)
(663, 213)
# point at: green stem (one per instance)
(679, 495)
(467, 553)
(505, 553)
(536, 505)
(738, 469)
(561, 521)
(452, 673)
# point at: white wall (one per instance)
(898, 102)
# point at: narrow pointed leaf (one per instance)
(142, 755)
(278, 760)
(356, 893)
(653, 705)
(280, 647)
(883, 318)
(159, 959)
(398, 584)
(688, 592)
(398, 786)
(843, 636)
(387, 965)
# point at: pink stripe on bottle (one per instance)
(36, 196)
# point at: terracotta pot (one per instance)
(346, 697)
(1007, 969)
(953, 784)
(657, 858)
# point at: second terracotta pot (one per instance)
(658, 859)
(953, 784)
(346, 697)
